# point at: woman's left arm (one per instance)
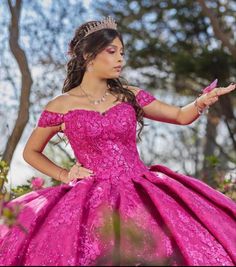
(160, 111)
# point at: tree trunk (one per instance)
(217, 29)
(209, 148)
(26, 83)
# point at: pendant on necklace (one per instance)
(96, 102)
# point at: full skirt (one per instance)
(157, 218)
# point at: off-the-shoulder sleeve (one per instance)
(49, 118)
(144, 98)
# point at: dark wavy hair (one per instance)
(92, 45)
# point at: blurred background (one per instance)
(173, 49)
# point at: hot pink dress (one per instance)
(179, 218)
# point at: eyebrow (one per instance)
(122, 48)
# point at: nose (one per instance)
(121, 59)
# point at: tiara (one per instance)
(106, 23)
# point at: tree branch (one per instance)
(217, 29)
(26, 83)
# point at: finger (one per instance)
(228, 89)
(79, 172)
(86, 170)
(211, 100)
(85, 176)
(85, 173)
(90, 174)
(74, 173)
(232, 86)
(222, 90)
(215, 99)
(219, 91)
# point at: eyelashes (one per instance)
(112, 52)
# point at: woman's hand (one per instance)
(76, 172)
(210, 98)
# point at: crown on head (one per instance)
(106, 23)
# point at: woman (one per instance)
(182, 220)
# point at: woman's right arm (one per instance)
(33, 155)
(36, 143)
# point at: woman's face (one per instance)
(109, 62)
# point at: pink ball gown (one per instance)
(181, 220)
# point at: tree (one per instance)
(38, 44)
(26, 82)
(222, 32)
(172, 44)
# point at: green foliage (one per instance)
(222, 180)
(213, 161)
(9, 213)
(214, 63)
(228, 186)
(35, 183)
(4, 168)
(173, 37)
(20, 190)
(207, 64)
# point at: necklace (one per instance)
(97, 101)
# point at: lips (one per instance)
(118, 68)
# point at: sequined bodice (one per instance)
(103, 141)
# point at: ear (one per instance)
(86, 55)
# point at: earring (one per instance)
(89, 68)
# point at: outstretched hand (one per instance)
(210, 98)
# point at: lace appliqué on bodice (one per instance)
(105, 143)
(50, 118)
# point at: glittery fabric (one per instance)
(179, 219)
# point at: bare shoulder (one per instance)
(134, 89)
(57, 104)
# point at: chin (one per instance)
(112, 76)
(115, 76)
